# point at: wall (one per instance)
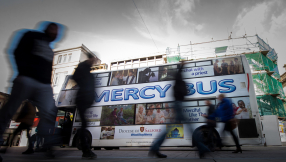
(64, 69)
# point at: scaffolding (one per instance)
(262, 60)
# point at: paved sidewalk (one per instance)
(252, 154)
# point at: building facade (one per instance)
(139, 62)
(65, 62)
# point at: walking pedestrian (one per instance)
(84, 99)
(225, 113)
(34, 59)
(180, 91)
(211, 124)
(26, 117)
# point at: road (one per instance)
(250, 153)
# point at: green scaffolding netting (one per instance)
(259, 62)
(265, 84)
(269, 105)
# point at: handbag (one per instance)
(233, 123)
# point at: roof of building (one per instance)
(83, 47)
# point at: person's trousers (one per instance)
(39, 141)
(41, 95)
(179, 117)
(22, 127)
(227, 128)
(83, 133)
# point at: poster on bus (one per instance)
(175, 131)
(154, 115)
(241, 107)
(123, 77)
(140, 131)
(117, 115)
(92, 116)
(228, 66)
(192, 72)
(194, 114)
(107, 132)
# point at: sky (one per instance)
(114, 30)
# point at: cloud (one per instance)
(268, 20)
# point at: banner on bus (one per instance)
(92, 116)
(195, 114)
(143, 131)
(231, 85)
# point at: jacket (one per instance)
(85, 81)
(180, 89)
(34, 56)
(224, 111)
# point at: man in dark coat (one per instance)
(84, 99)
(34, 59)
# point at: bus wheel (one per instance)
(78, 141)
(203, 133)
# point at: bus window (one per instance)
(190, 103)
(101, 79)
(123, 77)
(167, 72)
(203, 102)
(147, 75)
(228, 66)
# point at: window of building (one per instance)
(60, 59)
(65, 58)
(56, 78)
(70, 56)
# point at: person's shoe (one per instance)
(157, 154)
(28, 151)
(89, 155)
(237, 151)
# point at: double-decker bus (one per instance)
(133, 106)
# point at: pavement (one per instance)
(129, 154)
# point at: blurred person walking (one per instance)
(84, 99)
(211, 124)
(26, 117)
(34, 60)
(180, 91)
(225, 113)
